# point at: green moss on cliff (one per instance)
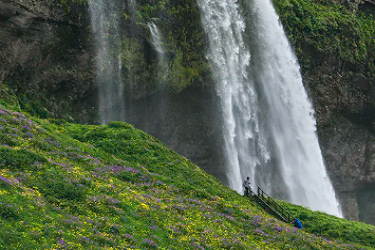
(180, 27)
(137, 73)
(181, 77)
(7, 95)
(70, 8)
(330, 28)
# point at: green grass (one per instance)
(70, 186)
(332, 227)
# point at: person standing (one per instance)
(246, 185)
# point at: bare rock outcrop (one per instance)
(45, 57)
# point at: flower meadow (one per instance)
(70, 186)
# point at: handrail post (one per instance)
(273, 205)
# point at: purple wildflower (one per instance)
(85, 238)
(197, 246)
(61, 242)
(259, 232)
(277, 228)
(90, 221)
(2, 178)
(150, 242)
(25, 127)
(130, 237)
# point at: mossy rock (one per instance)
(7, 96)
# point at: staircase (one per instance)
(272, 206)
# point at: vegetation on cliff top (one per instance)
(69, 186)
(329, 28)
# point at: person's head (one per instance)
(247, 178)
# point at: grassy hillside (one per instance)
(69, 186)
(331, 227)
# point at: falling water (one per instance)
(157, 43)
(230, 60)
(156, 39)
(133, 9)
(105, 25)
(268, 119)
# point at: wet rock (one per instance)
(40, 46)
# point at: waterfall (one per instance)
(133, 10)
(105, 25)
(156, 40)
(230, 60)
(269, 125)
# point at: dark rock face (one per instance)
(44, 57)
(345, 118)
(366, 208)
(188, 122)
(349, 153)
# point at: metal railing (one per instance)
(276, 207)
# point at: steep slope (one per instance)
(70, 186)
(331, 227)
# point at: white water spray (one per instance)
(105, 25)
(230, 60)
(157, 43)
(266, 110)
(156, 39)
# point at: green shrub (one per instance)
(19, 159)
(57, 121)
(116, 124)
(332, 227)
(55, 187)
(7, 140)
(8, 212)
(95, 134)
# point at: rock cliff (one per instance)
(45, 57)
(335, 49)
(48, 57)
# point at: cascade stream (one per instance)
(157, 43)
(105, 25)
(269, 125)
